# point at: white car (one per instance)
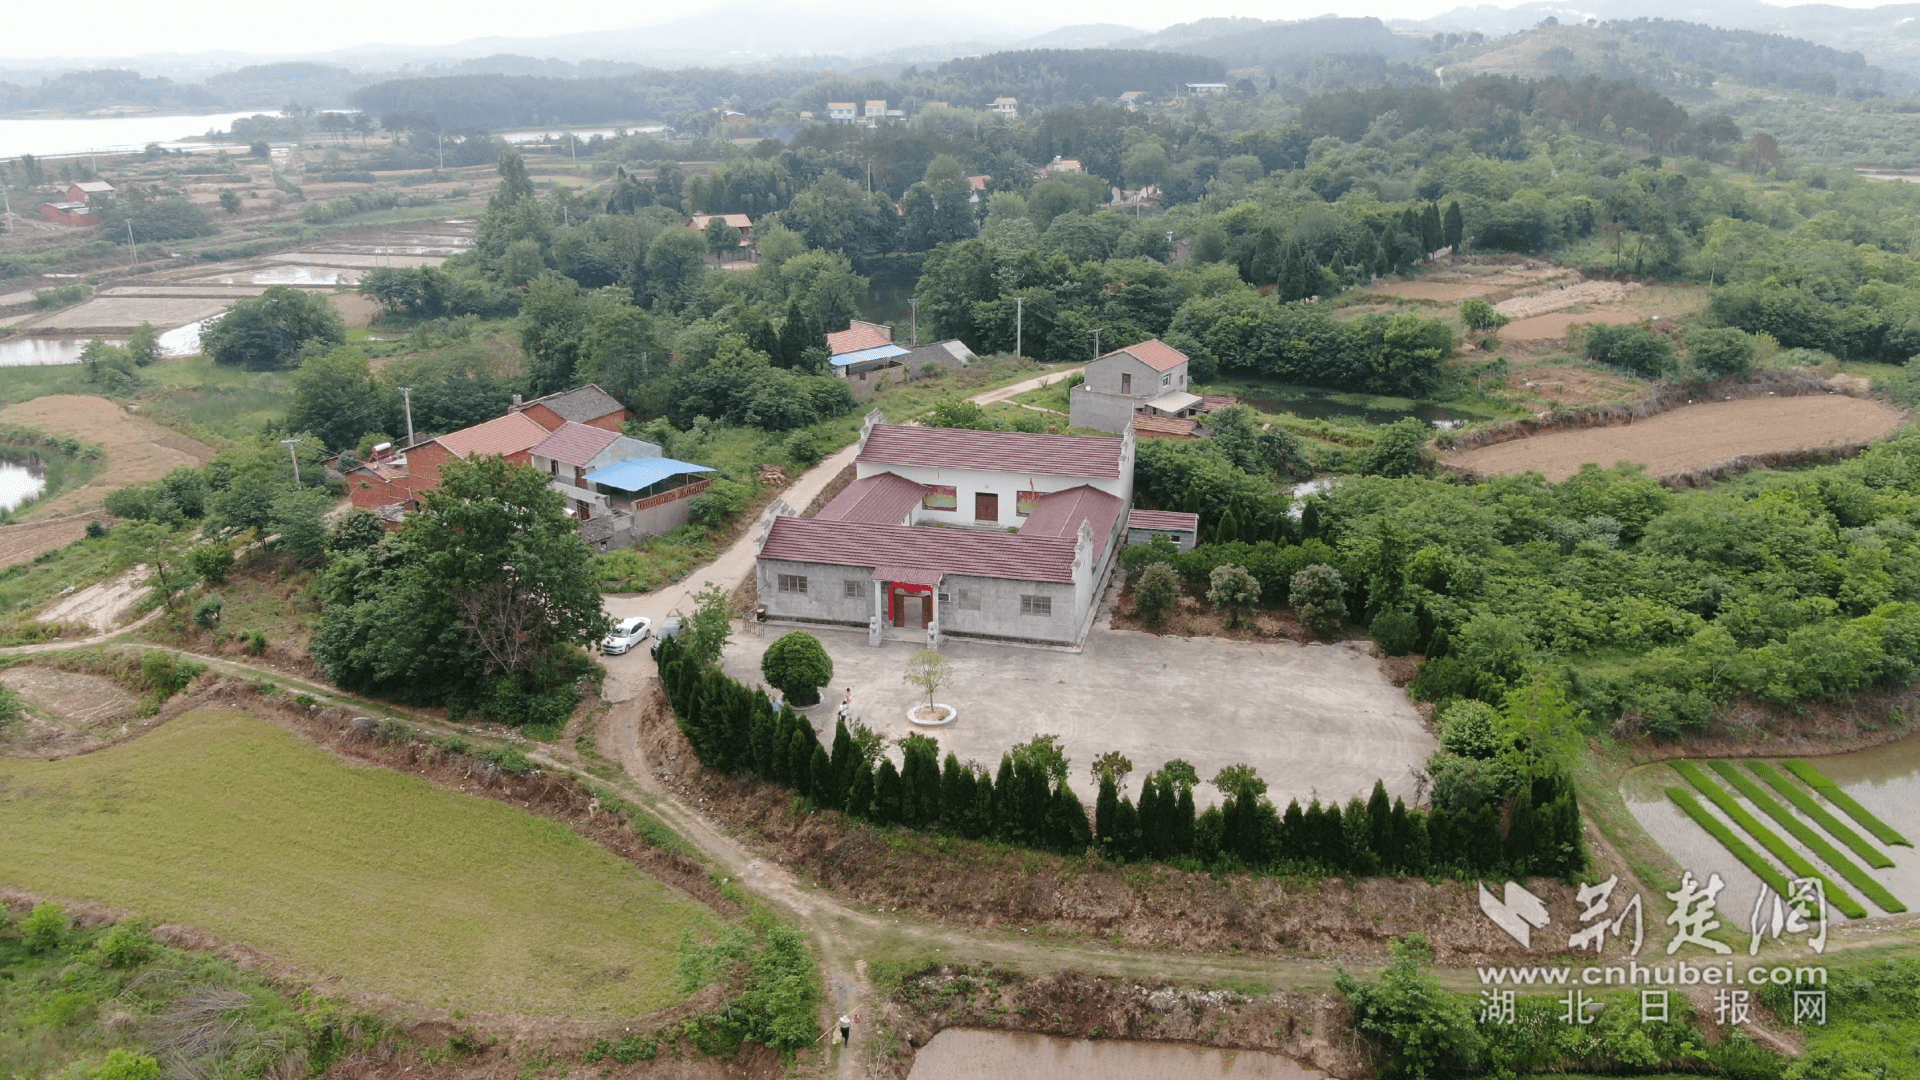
(626, 634)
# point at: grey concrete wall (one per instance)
(1103, 376)
(1182, 540)
(999, 614)
(825, 600)
(666, 517)
(1100, 412)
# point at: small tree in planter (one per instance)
(1319, 595)
(929, 671)
(1232, 591)
(798, 666)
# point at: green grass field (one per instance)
(228, 823)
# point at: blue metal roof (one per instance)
(878, 352)
(641, 473)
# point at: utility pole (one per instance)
(913, 319)
(440, 140)
(131, 244)
(406, 398)
(1019, 325)
(290, 444)
(1096, 343)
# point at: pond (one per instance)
(20, 480)
(183, 340)
(966, 1054)
(1328, 405)
(33, 351)
(1885, 780)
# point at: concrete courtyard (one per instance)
(1314, 720)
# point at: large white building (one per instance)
(990, 535)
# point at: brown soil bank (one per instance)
(981, 884)
(1694, 437)
(1313, 1029)
(138, 450)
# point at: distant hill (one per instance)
(1082, 36)
(1685, 60)
(1887, 36)
(1240, 43)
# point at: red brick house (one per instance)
(400, 481)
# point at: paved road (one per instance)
(627, 675)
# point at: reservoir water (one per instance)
(31, 352)
(20, 480)
(967, 1054)
(56, 136)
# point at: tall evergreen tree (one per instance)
(1126, 832)
(1105, 806)
(886, 794)
(1432, 232)
(762, 737)
(1380, 827)
(979, 819)
(920, 782)
(1358, 838)
(956, 795)
(800, 747)
(860, 790)
(1065, 828)
(1183, 823)
(820, 774)
(1293, 832)
(1452, 225)
(842, 759)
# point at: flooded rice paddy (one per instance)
(968, 1054)
(33, 352)
(1885, 780)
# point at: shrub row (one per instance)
(1027, 801)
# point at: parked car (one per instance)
(626, 634)
(669, 629)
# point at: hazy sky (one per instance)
(131, 27)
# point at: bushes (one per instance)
(1155, 593)
(44, 929)
(206, 613)
(1232, 590)
(1632, 348)
(1318, 594)
(1722, 352)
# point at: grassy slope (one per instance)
(227, 823)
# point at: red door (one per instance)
(986, 507)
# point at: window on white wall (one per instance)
(1037, 605)
(1167, 379)
(854, 589)
(793, 583)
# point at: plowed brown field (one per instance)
(137, 449)
(1693, 437)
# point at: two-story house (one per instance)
(842, 112)
(574, 450)
(991, 535)
(1148, 377)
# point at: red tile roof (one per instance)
(998, 451)
(858, 335)
(738, 221)
(1163, 520)
(505, 435)
(1154, 353)
(1060, 514)
(979, 183)
(884, 499)
(575, 444)
(977, 553)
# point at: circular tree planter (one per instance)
(941, 715)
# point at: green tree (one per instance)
(270, 330)
(211, 562)
(722, 239)
(1155, 593)
(919, 781)
(1477, 314)
(230, 201)
(336, 397)
(1318, 594)
(1420, 1031)
(1232, 590)
(300, 517)
(928, 671)
(675, 264)
(1637, 349)
(1722, 352)
(798, 666)
(1398, 450)
(143, 345)
(474, 601)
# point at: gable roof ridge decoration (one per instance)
(1152, 352)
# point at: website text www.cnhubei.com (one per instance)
(1634, 973)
